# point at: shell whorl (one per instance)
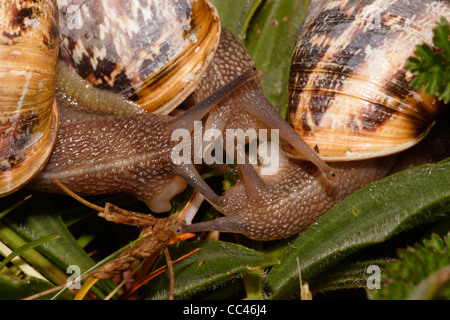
(152, 52)
(28, 114)
(350, 96)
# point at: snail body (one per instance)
(104, 154)
(28, 112)
(105, 143)
(133, 154)
(351, 101)
(32, 34)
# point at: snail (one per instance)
(115, 146)
(351, 101)
(28, 113)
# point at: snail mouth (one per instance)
(162, 202)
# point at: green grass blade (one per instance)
(214, 264)
(376, 213)
(27, 247)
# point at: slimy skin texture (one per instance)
(104, 154)
(284, 204)
(273, 207)
(98, 154)
(348, 91)
(132, 153)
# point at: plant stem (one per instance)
(33, 257)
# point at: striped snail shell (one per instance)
(350, 95)
(148, 55)
(151, 52)
(28, 113)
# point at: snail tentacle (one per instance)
(187, 119)
(135, 148)
(224, 224)
(247, 108)
(263, 110)
(254, 185)
(346, 89)
(351, 100)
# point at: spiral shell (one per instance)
(152, 52)
(28, 114)
(350, 95)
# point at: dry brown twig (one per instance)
(155, 236)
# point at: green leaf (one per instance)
(432, 66)
(109, 258)
(236, 21)
(253, 285)
(445, 94)
(214, 264)
(424, 51)
(40, 262)
(345, 276)
(270, 41)
(441, 35)
(435, 286)
(26, 247)
(385, 208)
(14, 289)
(35, 219)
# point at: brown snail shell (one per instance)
(28, 113)
(152, 52)
(350, 95)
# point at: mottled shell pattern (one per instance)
(153, 52)
(350, 95)
(28, 113)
